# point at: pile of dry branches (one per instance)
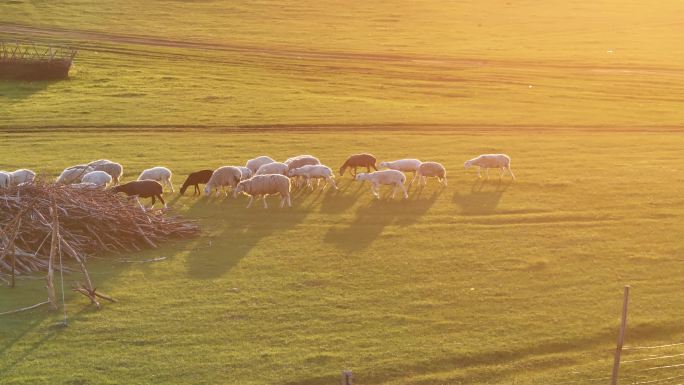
(41, 222)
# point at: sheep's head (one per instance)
(182, 189)
(468, 164)
(240, 188)
(291, 173)
(361, 176)
(207, 190)
(383, 164)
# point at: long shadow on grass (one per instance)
(483, 198)
(487, 366)
(236, 230)
(371, 219)
(13, 91)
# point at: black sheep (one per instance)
(194, 179)
(142, 189)
(358, 160)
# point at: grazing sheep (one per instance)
(487, 161)
(431, 169)
(403, 165)
(194, 179)
(160, 174)
(265, 185)
(317, 172)
(73, 174)
(272, 168)
(142, 189)
(5, 179)
(254, 164)
(246, 173)
(99, 178)
(301, 160)
(20, 176)
(358, 160)
(115, 170)
(388, 177)
(223, 176)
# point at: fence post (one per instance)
(621, 337)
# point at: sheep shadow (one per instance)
(231, 231)
(368, 223)
(480, 201)
(335, 202)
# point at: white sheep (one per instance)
(98, 178)
(265, 185)
(20, 176)
(160, 174)
(5, 179)
(301, 160)
(431, 169)
(487, 161)
(272, 168)
(223, 176)
(115, 170)
(317, 172)
(246, 173)
(403, 165)
(73, 174)
(254, 164)
(387, 177)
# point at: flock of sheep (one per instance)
(259, 177)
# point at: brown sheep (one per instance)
(358, 160)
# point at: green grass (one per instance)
(480, 282)
(609, 64)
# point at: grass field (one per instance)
(476, 283)
(560, 64)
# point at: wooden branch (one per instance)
(25, 308)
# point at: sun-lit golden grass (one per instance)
(560, 64)
(479, 282)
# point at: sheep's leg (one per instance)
(251, 198)
(154, 200)
(309, 184)
(445, 180)
(162, 201)
(394, 190)
(479, 174)
(264, 199)
(415, 175)
(368, 168)
(501, 172)
(289, 200)
(405, 192)
(487, 172)
(137, 200)
(511, 172)
(374, 189)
